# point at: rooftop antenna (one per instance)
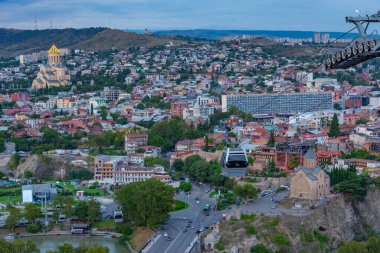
(35, 22)
(109, 22)
(51, 24)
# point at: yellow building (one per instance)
(310, 181)
(53, 74)
(21, 116)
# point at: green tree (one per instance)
(81, 210)
(245, 191)
(271, 141)
(31, 212)
(189, 161)
(68, 206)
(355, 188)
(334, 128)
(28, 174)
(250, 160)
(152, 161)
(206, 145)
(14, 161)
(293, 162)
(178, 164)
(145, 203)
(185, 186)
(103, 112)
(361, 121)
(165, 134)
(93, 212)
(13, 218)
(56, 216)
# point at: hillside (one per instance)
(325, 228)
(15, 42)
(119, 39)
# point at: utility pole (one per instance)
(46, 219)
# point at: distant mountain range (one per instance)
(14, 42)
(216, 34)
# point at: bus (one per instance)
(206, 209)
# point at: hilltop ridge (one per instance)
(14, 42)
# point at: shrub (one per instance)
(250, 217)
(219, 246)
(281, 240)
(260, 248)
(250, 229)
(273, 222)
(320, 237)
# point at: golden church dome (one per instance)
(54, 50)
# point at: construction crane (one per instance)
(360, 49)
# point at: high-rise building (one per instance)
(325, 38)
(317, 37)
(274, 103)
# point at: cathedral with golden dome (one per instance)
(52, 74)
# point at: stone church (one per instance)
(310, 181)
(52, 74)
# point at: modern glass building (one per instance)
(291, 103)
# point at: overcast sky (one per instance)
(310, 15)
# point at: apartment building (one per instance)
(130, 174)
(275, 103)
(110, 93)
(135, 141)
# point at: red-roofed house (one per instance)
(324, 156)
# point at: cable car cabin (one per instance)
(234, 162)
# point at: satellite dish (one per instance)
(357, 11)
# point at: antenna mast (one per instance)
(35, 22)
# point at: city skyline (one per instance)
(165, 14)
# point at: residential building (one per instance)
(20, 97)
(110, 93)
(279, 103)
(130, 174)
(286, 152)
(135, 141)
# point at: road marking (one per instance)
(179, 234)
(151, 243)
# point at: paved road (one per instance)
(9, 149)
(178, 221)
(265, 205)
(6, 156)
